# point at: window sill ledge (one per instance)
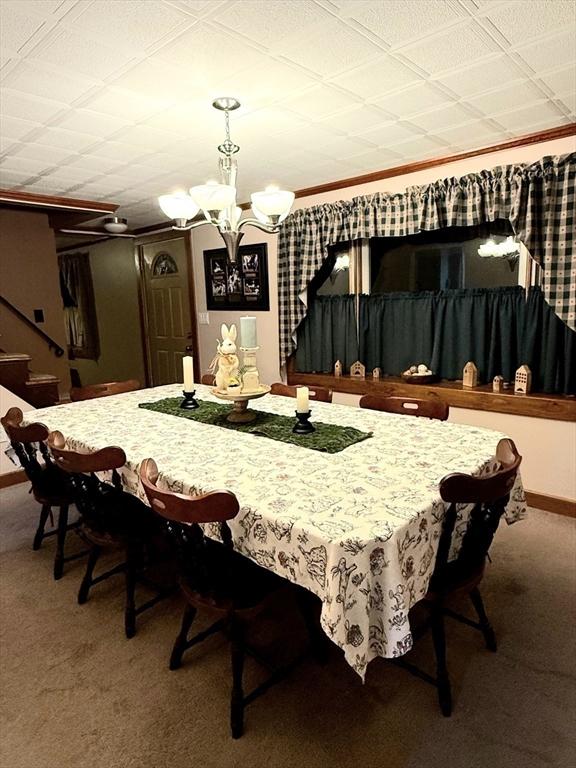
(482, 398)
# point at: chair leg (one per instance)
(39, 535)
(442, 679)
(485, 626)
(237, 698)
(318, 640)
(182, 639)
(130, 609)
(60, 541)
(93, 556)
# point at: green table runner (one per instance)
(330, 438)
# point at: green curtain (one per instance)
(328, 334)
(479, 324)
(549, 347)
(396, 330)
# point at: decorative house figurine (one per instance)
(357, 370)
(470, 375)
(338, 368)
(523, 381)
(497, 383)
(376, 373)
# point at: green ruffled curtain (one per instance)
(329, 334)
(538, 200)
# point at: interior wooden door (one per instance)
(168, 316)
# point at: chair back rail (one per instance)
(320, 394)
(409, 406)
(209, 379)
(92, 391)
(29, 445)
(74, 462)
(17, 433)
(490, 495)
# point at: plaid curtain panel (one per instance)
(537, 199)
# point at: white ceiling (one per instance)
(109, 100)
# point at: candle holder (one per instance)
(189, 403)
(303, 426)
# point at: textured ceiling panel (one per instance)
(113, 99)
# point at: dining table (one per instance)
(358, 527)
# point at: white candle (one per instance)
(302, 404)
(248, 337)
(188, 370)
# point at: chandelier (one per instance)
(217, 200)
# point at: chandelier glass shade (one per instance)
(218, 200)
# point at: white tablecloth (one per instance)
(358, 528)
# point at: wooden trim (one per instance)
(400, 170)
(537, 405)
(555, 504)
(12, 478)
(47, 201)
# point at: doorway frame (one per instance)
(139, 244)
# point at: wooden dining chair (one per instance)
(111, 519)
(209, 379)
(409, 406)
(214, 577)
(461, 576)
(91, 391)
(49, 486)
(320, 394)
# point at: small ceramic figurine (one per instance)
(226, 363)
(337, 368)
(470, 375)
(523, 380)
(376, 373)
(357, 370)
(497, 384)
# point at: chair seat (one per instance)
(238, 585)
(119, 517)
(51, 487)
(459, 579)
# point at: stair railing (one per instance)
(52, 345)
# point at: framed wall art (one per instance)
(239, 285)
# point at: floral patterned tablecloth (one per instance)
(358, 528)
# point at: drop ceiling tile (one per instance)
(125, 25)
(483, 76)
(562, 80)
(554, 51)
(93, 123)
(396, 21)
(16, 28)
(125, 104)
(195, 6)
(115, 150)
(420, 147)
(270, 121)
(42, 8)
(529, 19)
(154, 79)
(90, 165)
(377, 78)
(23, 165)
(50, 83)
(26, 107)
(269, 23)
(445, 117)
(41, 153)
(258, 87)
(505, 99)
(389, 133)
(372, 161)
(145, 137)
(450, 50)
(413, 100)
(80, 54)
(58, 137)
(569, 101)
(341, 48)
(14, 128)
(477, 131)
(319, 101)
(12, 179)
(519, 119)
(357, 119)
(67, 175)
(184, 120)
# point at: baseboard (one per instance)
(551, 503)
(12, 478)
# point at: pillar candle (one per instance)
(302, 404)
(188, 370)
(248, 338)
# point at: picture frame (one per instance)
(239, 285)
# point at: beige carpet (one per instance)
(77, 694)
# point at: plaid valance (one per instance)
(537, 199)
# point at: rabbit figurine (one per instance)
(226, 360)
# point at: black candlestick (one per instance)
(189, 403)
(303, 426)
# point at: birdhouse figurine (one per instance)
(376, 373)
(470, 375)
(338, 368)
(357, 370)
(497, 383)
(523, 380)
